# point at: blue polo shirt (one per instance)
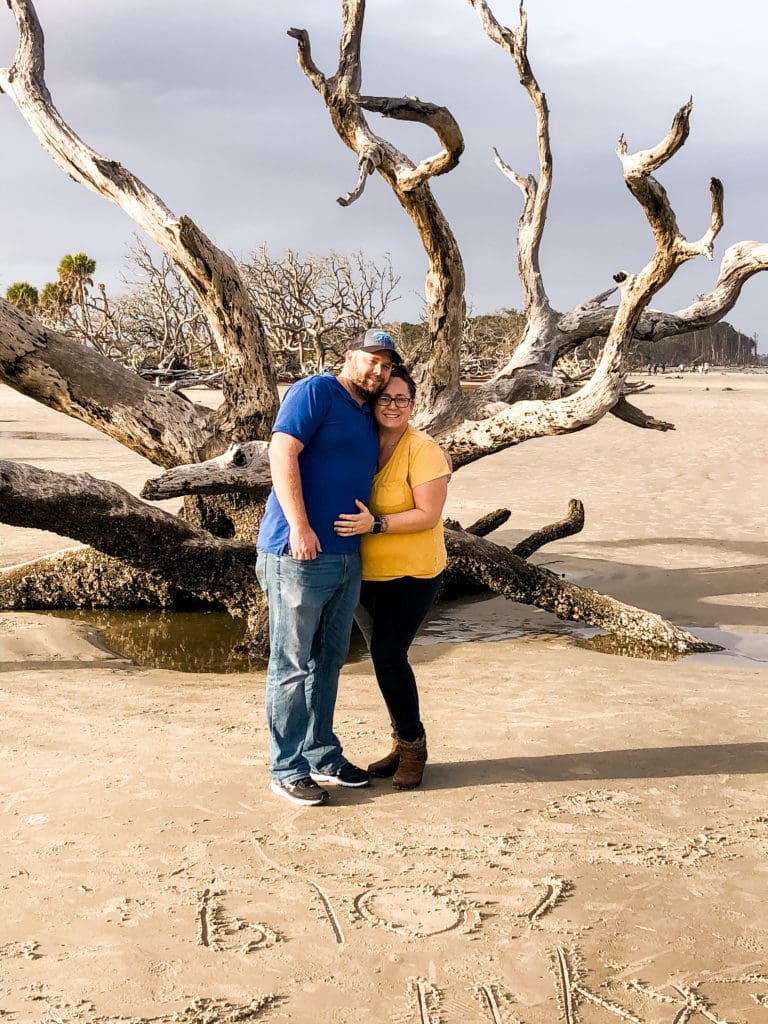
(336, 464)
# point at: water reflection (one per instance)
(182, 641)
(213, 642)
(605, 643)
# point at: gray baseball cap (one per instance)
(375, 340)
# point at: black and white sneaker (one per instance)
(302, 791)
(347, 775)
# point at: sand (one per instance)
(590, 842)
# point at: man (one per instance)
(322, 456)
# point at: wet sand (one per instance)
(590, 842)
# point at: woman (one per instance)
(403, 555)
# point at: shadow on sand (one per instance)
(641, 763)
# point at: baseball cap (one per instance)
(375, 340)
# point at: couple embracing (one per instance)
(352, 529)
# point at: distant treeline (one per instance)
(719, 345)
(310, 306)
(491, 338)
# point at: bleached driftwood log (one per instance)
(108, 517)
(221, 571)
(243, 467)
(504, 573)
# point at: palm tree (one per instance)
(52, 303)
(23, 295)
(75, 278)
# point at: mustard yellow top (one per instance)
(416, 460)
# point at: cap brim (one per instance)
(395, 355)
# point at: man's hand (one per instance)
(304, 543)
(284, 451)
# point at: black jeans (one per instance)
(397, 608)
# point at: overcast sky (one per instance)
(206, 104)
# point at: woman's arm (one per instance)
(428, 498)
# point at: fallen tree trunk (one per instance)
(85, 578)
(120, 525)
(221, 571)
(506, 574)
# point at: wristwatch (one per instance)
(378, 523)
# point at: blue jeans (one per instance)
(311, 605)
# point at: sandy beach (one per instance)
(591, 841)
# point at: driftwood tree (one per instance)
(217, 459)
(310, 303)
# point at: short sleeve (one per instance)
(427, 461)
(304, 409)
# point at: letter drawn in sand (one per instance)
(330, 913)
(557, 889)
(571, 992)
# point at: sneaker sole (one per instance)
(318, 777)
(299, 801)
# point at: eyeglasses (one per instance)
(399, 401)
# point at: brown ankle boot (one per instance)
(413, 757)
(387, 766)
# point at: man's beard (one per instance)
(367, 389)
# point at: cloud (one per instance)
(206, 104)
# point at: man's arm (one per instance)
(284, 451)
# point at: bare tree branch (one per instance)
(243, 468)
(537, 345)
(439, 377)
(629, 413)
(566, 527)
(367, 167)
(249, 389)
(740, 262)
(439, 119)
(77, 381)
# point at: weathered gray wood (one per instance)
(570, 524)
(504, 573)
(66, 376)
(548, 334)
(111, 519)
(243, 467)
(439, 375)
(83, 577)
(221, 572)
